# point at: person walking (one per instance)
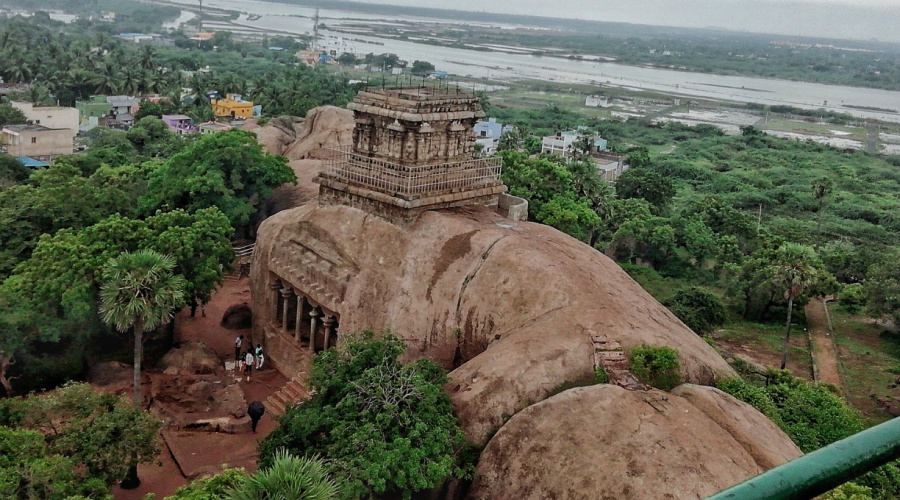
(259, 356)
(238, 343)
(248, 364)
(255, 410)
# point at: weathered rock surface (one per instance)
(511, 300)
(603, 442)
(190, 358)
(324, 128)
(744, 423)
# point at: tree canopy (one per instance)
(228, 170)
(387, 427)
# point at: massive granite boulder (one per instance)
(510, 305)
(604, 442)
(516, 310)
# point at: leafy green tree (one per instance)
(215, 487)
(93, 428)
(148, 108)
(10, 115)
(700, 309)
(228, 170)
(799, 408)
(422, 68)
(645, 184)
(883, 290)
(288, 477)
(21, 323)
(88, 429)
(29, 471)
(572, 217)
(200, 244)
(821, 189)
(12, 171)
(388, 428)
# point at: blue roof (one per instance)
(31, 162)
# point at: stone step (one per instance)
(285, 399)
(275, 406)
(298, 387)
(293, 393)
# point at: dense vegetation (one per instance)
(386, 428)
(813, 417)
(73, 441)
(69, 63)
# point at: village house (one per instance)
(49, 116)
(36, 141)
(563, 143)
(180, 124)
(488, 133)
(213, 127)
(234, 107)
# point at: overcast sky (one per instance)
(856, 19)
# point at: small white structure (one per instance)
(597, 101)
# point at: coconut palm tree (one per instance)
(289, 477)
(140, 292)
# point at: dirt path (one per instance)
(823, 350)
(207, 451)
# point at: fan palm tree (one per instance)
(795, 270)
(139, 291)
(289, 477)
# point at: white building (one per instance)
(597, 101)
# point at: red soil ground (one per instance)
(207, 450)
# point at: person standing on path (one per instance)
(238, 342)
(255, 410)
(248, 364)
(259, 356)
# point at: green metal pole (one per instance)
(823, 469)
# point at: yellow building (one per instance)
(232, 107)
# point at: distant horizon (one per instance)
(859, 20)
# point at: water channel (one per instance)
(499, 66)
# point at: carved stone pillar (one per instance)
(300, 299)
(328, 322)
(276, 290)
(286, 294)
(312, 330)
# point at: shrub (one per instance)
(657, 366)
(387, 428)
(853, 297)
(700, 309)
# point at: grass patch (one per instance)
(868, 359)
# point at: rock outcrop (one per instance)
(512, 302)
(323, 128)
(603, 442)
(516, 310)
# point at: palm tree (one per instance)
(795, 270)
(821, 189)
(139, 291)
(289, 477)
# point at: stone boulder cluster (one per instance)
(188, 389)
(513, 309)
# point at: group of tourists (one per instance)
(245, 360)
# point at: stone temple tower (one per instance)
(413, 150)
